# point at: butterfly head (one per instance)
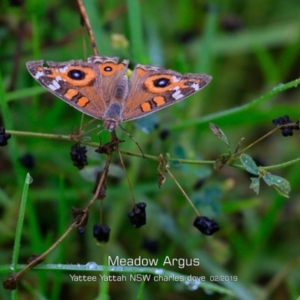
(110, 124)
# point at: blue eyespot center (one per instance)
(108, 69)
(76, 74)
(161, 82)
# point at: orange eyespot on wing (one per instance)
(110, 68)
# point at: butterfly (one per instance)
(101, 89)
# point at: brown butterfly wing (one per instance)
(153, 88)
(84, 85)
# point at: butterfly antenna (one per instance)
(127, 133)
(87, 23)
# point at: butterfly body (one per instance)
(101, 89)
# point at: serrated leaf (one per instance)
(255, 184)
(249, 164)
(219, 133)
(281, 184)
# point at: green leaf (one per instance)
(255, 184)
(281, 184)
(249, 164)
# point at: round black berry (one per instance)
(151, 245)
(164, 134)
(4, 137)
(138, 215)
(286, 130)
(27, 161)
(101, 233)
(80, 230)
(205, 225)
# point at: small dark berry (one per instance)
(205, 225)
(4, 137)
(285, 120)
(80, 230)
(152, 246)
(164, 134)
(138, 215)
(27, 161)
(78, 156)
(198, 184)
(101, 233)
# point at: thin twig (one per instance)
(183, 192)
(88, 26)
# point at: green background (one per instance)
(249, 48)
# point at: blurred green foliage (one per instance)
(249, 47)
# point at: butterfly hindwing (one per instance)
(153, 88)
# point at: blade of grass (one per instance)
(268, 65)
(24, 93)
(104, 285)
(141, 288)
(20, 221)
(37, 241)
(136, 35)
(242, 42)
(204, 61)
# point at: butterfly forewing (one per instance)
(75, 82)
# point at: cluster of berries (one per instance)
(101, 233)
(290, 125)
(138, 215)
(78, 156)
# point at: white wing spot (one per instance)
(177, 95)
(58, 78)
(38, 74)
(54, 86)
(176, 79)
(63, 70)
(195, 86)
